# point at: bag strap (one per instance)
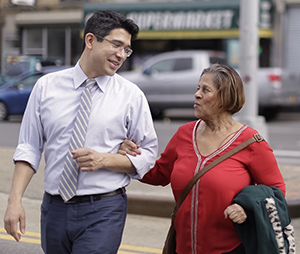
(255, 138)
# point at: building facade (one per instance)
(52, 30)
(48, 30)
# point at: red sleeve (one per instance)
(263, 166)
(161, 172)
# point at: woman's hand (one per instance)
(236, 213)
(129, 147)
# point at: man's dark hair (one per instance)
(101, 23)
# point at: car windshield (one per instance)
(9, 81)
(17, 68)
(3, 80)
(29, 81)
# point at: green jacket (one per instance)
(268, 226)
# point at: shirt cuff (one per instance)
(142, 163)
(26, 152)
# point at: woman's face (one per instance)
(206, 99)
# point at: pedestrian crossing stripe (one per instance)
(140, 249)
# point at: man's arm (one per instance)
(15, 212)
(90, 160)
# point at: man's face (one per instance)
(107, 56)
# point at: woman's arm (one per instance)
(161, 172)
(129, 147)
(263, 166)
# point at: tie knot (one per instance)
(90, 83)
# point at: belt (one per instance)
(86, 198)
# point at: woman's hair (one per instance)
(229, 86)
(101, 23)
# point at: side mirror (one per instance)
(20, 86)
(147, 72)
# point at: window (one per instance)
(29, 81)
(33, 41)
(183, 64)
(162, 66)
(218, 60)
(24, 2)
(53, 44)
(56, 44)
(172, 65)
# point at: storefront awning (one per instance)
(46, 18)
(187, 20)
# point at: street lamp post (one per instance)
(248, 64)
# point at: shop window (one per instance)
(76, 46)
(33, 41)
(56, 45)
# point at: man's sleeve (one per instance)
(30, 145)
(142, 132)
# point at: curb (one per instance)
(150, 206)
(163, 207)
(294, 208)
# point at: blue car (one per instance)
(14, 94)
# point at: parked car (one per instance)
(169, 80)
(14, 94)
(17, 65)
(3, 80)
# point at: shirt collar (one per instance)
(80, 77)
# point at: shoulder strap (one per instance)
(256, 138)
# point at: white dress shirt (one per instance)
(119, 111)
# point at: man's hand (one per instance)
(129, 147)
(88, 159)
(236, 213)
(15, 215)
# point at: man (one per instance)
(93, 220)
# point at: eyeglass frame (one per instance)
(128, 51)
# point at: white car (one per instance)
(169, 80)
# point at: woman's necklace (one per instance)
(230, 134)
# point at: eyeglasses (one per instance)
(118, 46)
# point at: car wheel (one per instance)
(3, 111)
(269, 113)
(157, 113)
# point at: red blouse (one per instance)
(200, 223)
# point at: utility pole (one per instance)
(248, 64)
(1, 37)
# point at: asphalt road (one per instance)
(283, 132)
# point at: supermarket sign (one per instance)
(190, 20)
(184, 16)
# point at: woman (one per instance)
(200, 223)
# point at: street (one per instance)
(143, 234)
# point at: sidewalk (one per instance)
(149, 207)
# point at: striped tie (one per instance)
(68, 182)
